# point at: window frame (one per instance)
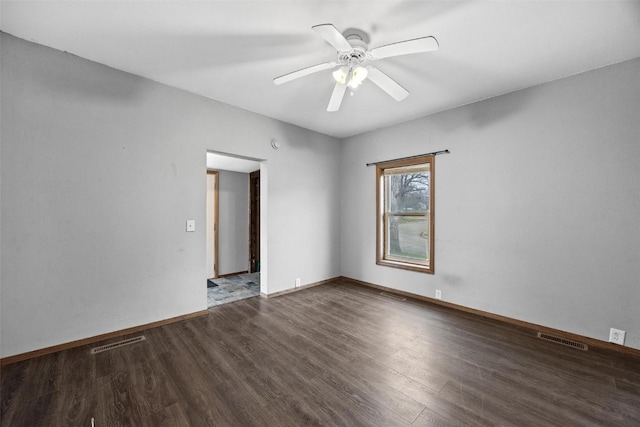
(382, 258)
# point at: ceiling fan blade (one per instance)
(303, 72)
(387, 84)
(336, 97)
(423, 44)
(333, 37)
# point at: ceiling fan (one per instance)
(353, 61)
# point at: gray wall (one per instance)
(537, 206)
(100, 169)
(233, 222)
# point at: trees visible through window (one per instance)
(405, 196)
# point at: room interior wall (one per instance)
(537, 205)
(233, 222)
(100, 169)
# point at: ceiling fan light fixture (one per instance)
(340, 75)
(358, 76)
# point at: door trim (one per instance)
(254, 221)
(215, 222)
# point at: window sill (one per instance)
(406, 265)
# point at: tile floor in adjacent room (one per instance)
(233, 288)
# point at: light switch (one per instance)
(191, 225)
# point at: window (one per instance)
(405, 207)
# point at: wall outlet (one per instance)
(191, 225)
(297, 282)
(438, 294)
(616, 336)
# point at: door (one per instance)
(254, 221)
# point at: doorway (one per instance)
(233, 229)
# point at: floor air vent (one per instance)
(563, 341)
(118, 344)
(398, 297)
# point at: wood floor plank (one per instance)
(13, 380)
(204, 403)
(318, 363)
(170, 416)
(337, 354)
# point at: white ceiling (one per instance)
(231, 50)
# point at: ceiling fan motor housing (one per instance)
(356, 34)
(359, 41)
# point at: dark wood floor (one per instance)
(336, 355)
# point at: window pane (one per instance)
(407, 192)
(408, 237)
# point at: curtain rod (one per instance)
(434, 153)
